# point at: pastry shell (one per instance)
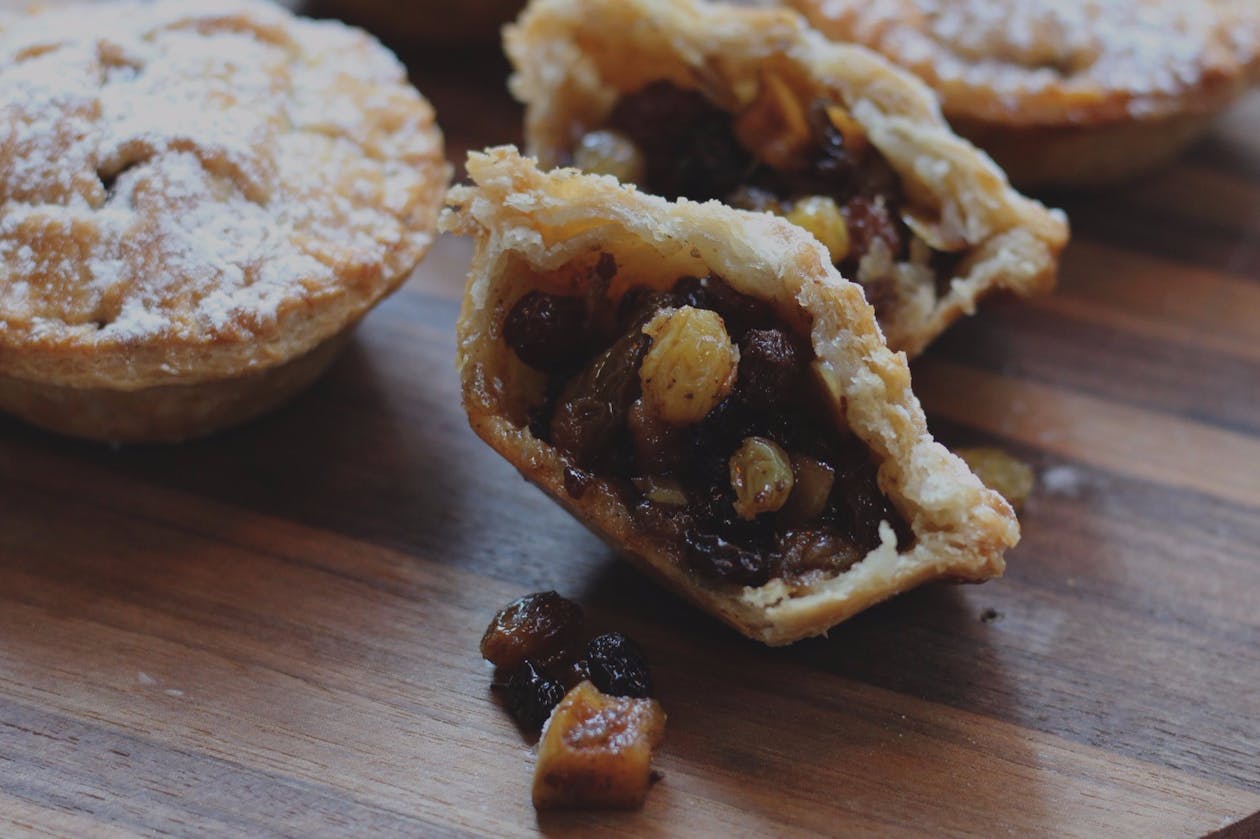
(531, 228)
(575, 58)
(1065, 93)
(198, 202)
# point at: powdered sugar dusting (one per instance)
(193, 170)
(1142, 50)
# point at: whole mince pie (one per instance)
(1066, 93)
(198, 202)
(752, 108)
(699, 386)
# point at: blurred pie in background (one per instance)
(1065, 93)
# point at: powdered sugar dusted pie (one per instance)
(751, 107)
(197, 201)
(701, 387)
(1065, 92)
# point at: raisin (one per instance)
(870, 219)
(656, 443)
(536, 626)
(833, 165)
(546, 331)
(739, 312)
(688, 143)
(640, 304)
(866, 505)
(716, 556)
(769, 366)
(531, 696)
(616, 665)
(592, 410)
(806, 551)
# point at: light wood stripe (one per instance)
(1129, 441)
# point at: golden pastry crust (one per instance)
(575, 58)
(196, 192)
(535, 229)
(1032, 77)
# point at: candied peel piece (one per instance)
(1000, 472)
(774, 127)
(596, 751)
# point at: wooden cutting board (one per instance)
(274, 632)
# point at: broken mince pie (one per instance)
(198, 202)
(752, 108)
(1065, 93)
(699, 386)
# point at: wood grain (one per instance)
(274, 632)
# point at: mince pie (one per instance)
(1065, 93)
(752, 108)
(198, 200)
(701, 387)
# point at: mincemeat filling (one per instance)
(700, 406)
(811, 164)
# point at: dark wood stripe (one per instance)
(1043, 344)
(1163, 232)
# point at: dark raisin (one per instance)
(593, 408)
(866, 505)
(616, 665)
(833, 165)
(657, 446)
(531, 696)
(639, 304)
(870, 219)
(739, 312)
(546, 331)
(714, 555)
(769, 366)
(537, 626)
(805, 551)
(688, 144)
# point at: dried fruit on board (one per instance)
(596, 751)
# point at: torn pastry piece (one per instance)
(1065, 93)
(198, 201)
(751, 107)
(700, 387)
